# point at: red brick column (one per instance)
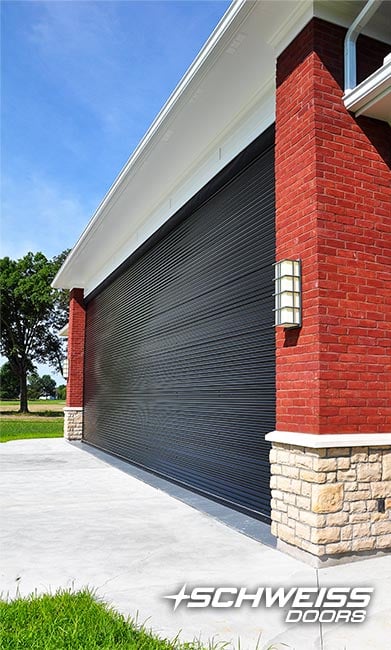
(333, 211)
(76, 338)
(330, 492)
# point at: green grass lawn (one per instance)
(17, 428)
(35, 405)
(40, 402)
(74, 621)
(45, 420)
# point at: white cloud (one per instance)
(39, 215)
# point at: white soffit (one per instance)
(342, 12)
(372, 97)
(224, 101)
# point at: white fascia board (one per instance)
(233, 11)
(241, 36)
(208, 119)
(373, 89)
(245, 129)
(323, 441)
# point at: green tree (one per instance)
(9, 382)
(48, 386)
(34, 386)
(31, 315)
(38, 386)
(61, 391)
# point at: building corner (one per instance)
(331, 497)
(74, 409)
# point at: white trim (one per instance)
(289, 28)
(124, 219)
(144, 145)
(369, 92)
(241, 132)
(203, 125)
(73, 408)
(64, 331)
(321, 441)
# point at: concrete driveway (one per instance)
(71, 519)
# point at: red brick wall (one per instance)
(333, 211)
(76, 338)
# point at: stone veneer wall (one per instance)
(73, 423)
(326, 501)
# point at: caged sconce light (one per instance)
(287, 283)
(65, 369)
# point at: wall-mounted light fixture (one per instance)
(287, 283)
(65, 369)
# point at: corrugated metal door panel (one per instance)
(180, 352)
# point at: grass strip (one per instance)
(18, 429)
(76, 621)
(33, 402)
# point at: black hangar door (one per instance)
(180, 351)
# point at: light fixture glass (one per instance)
(287, 282)
(65, 369)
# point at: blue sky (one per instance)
(81, 83)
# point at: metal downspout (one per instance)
(350, 42)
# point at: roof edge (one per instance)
(232, 13)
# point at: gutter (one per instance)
(350, 42)
(370, 91)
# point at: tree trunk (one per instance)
(23, 390)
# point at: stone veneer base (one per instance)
(327, 560)
(328, 501)
(73, 422)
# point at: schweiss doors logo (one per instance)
(304, 604)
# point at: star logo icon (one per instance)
(179, 597)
